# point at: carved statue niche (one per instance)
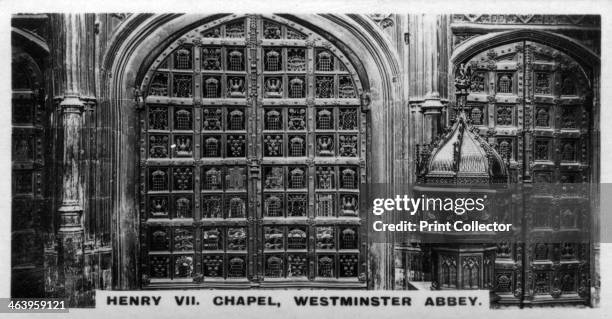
(236, 87)
(349, 205)
(463, 78)
(463, 81)
(236, 178)
(325, 145)
(183, 146)
(274, 88)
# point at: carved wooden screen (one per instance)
(531, 102)
(253, 149)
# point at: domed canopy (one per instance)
(463, 157)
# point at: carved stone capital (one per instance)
(71, 103)
(70, 218)
(432, 104)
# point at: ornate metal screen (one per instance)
(531, 102)
(253, 149)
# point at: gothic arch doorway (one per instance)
(252, 152)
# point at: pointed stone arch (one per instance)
(585, 56)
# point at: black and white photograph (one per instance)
(331, 159)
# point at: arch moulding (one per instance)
(585, 56)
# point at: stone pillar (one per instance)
(70, 233)
(425, 65)
(432, 109)
(427, 73)
(71, 108)
(73, 88)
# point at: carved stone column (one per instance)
(70, 233)
(73, 88)
(427, 67)
(71, 109)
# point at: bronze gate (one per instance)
(253, 149)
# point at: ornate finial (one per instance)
(463, 80)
